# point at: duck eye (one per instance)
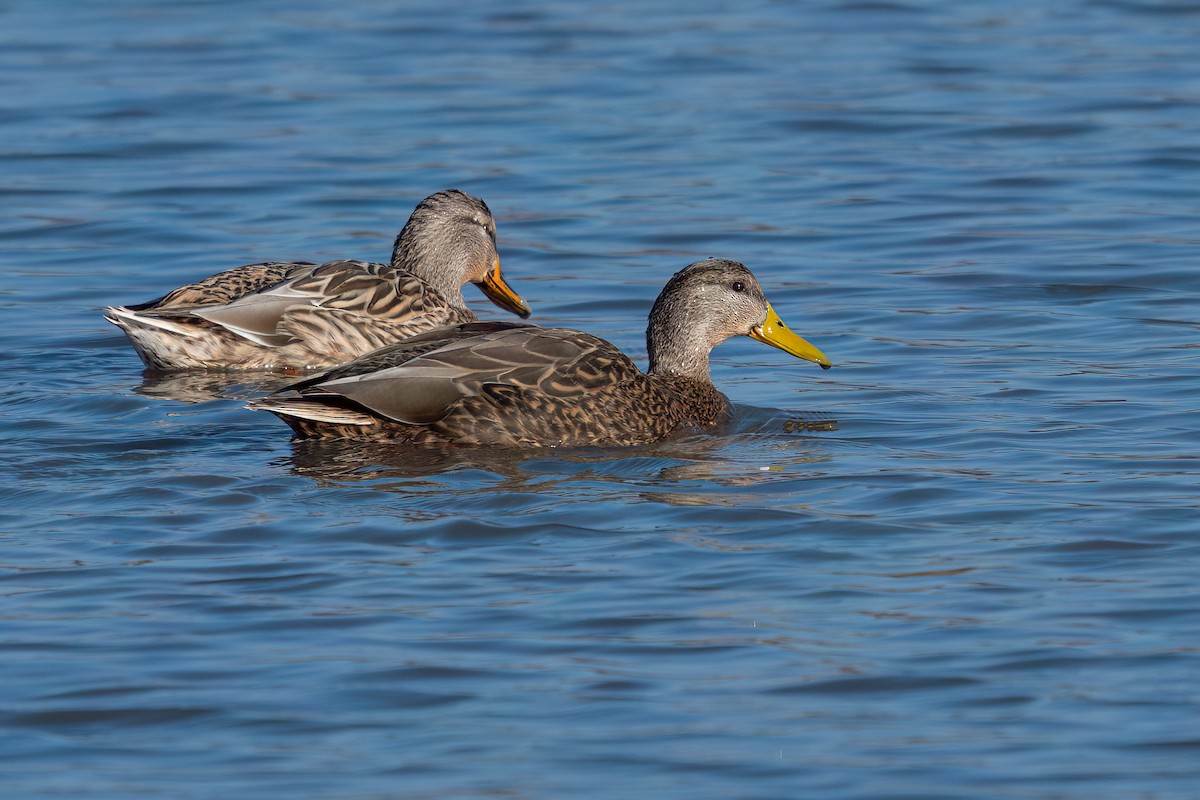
(738, 286)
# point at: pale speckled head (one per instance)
(450, 239)
(706, 303)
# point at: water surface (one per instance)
(981, 583)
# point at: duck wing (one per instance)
(226, 286)
(274, 316)
(401, 352)
(423, 384)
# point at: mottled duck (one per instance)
(508, 383)
(302, 315)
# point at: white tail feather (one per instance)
(317, 412)
(123, 317)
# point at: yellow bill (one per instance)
(777, 334)
(501, 293)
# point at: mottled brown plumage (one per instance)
(227, 286)
(300, 314)
(516, 384)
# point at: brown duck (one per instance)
(517, 384)
(300, 314)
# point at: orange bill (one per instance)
(501, 293)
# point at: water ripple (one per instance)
(960, 564)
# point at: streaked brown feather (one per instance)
(303, 315)
(224, 287)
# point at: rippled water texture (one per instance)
(981, 583)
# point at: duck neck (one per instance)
(427, 264)
(675, 349)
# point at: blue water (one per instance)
(980, 583)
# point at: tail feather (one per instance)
(127, 319)
(311, 410)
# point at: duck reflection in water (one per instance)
(755, 450)
(197, 386)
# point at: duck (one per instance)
(515, 384)
(300, 315)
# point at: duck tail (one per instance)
(302, 410)
(129, 320)
(162, 343)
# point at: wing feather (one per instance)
(422, 387)
(227, 286)
(377, 291)
(398, 353)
